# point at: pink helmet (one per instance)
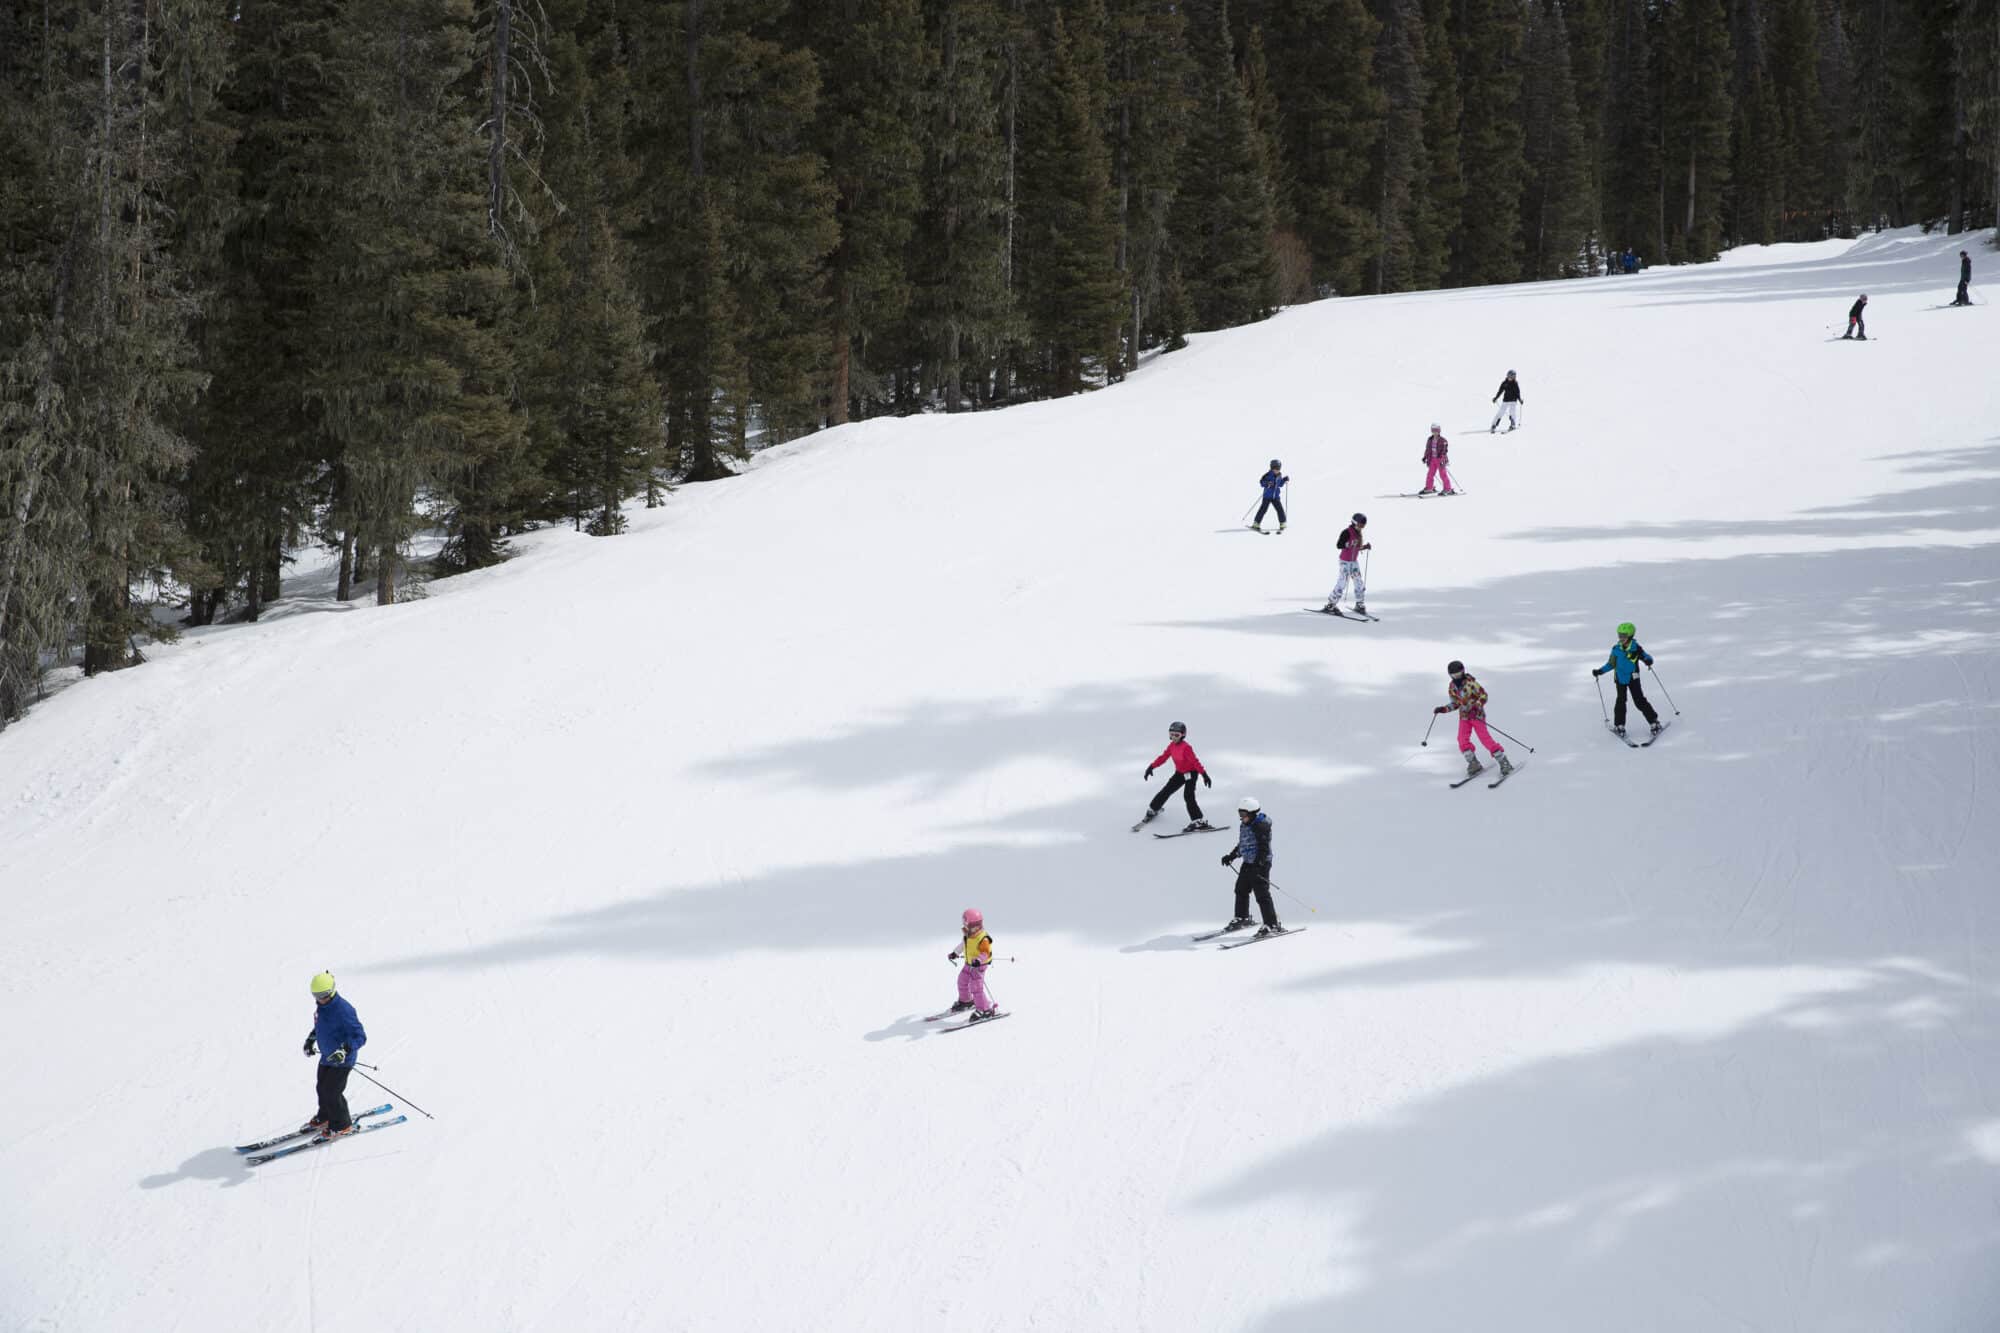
(972, 917)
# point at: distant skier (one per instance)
(1508, 395)
(1626, 654)
(337, 1038)
(1964, 296)
(1253, 847)
(976, 949)
(1435, 450)
(1351, 546)
(1273, 483)
(1187, 767)
(1857, 327)
(1468, 700)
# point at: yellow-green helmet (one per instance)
(322, 985)
(1626, 628)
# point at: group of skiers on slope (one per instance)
(1253, 835)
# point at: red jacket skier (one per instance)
(1187, 767)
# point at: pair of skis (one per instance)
(1516, 766)
(1339, 614)
(256, 1155)
(1258, 938)
(1182, 833)
(1639, 745)
(974, 1022)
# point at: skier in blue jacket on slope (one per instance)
(337, 1038)
(1626, 655)
(1273, 483)
(1253, 848)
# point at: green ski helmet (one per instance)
(1625, 629)
(322, 986)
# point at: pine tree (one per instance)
(1070, 288)
(1489, 66)
(1804, 201)
(1146, 123)
(1402, 164)
(1589, 24)
(1556, 207)
(1321, 55)
(1222, 223)
(1697, 117)
(1434, 226)
(1883, 112)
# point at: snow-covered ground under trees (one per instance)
(641, 857)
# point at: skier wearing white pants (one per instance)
(1510, 400)
(1351, 547)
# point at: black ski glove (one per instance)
(339, 1057)
(1149, 775)
(1230, 859)
(1442, 708)
(312, 1043)
(953, 955)
(1207, 781)
(1597, 671)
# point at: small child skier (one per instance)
(1468, 700)
(1857, 327)
(1626, 654)
(1273, 483)
(1351, 546)
(1508, 395)
(336, 1038)
(977, 951)
(1253, 847)
(1187, 767)
(1435, 449)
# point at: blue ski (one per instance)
(302, 1133)
(321, 1142)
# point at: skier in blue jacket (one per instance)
(337, 1038)
(1273, 483)
(1253, 848)
(1626, 655)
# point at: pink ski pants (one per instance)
(1466, 727)
(972, 986)
(1434, 471)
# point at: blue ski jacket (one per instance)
(335, 1024)
(1253, 840)
(1625, 661)
(1274, 485)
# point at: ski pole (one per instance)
(1245, 520)
(1600, 698)
(393, 1093)
(1663, 690)
(1516, 739)
(1427, 730)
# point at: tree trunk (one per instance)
(385, 576)
(344, 584)
(496, 127)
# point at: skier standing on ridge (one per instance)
(1626, 654)
(1857, 327)
(1351, 547)
(1508, 395)
(1964, 296)
(1274, 483)
(1435, 450)
(977, 951)
(1253, 847)
(1468, 700)
(337, 1037)
(1187, 767)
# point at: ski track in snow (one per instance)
(638, 857)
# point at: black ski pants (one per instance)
(1964, 297)
(1272, 502)
(1638, 694)
(1185, 784)
(1255, 879)
(333, 1096)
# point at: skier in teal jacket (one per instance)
(1626, 655)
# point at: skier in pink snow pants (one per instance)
(1435, 449)
(978, 956)
(1468, 700)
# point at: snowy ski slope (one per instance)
(640, 859)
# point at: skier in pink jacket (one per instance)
(1435, 449)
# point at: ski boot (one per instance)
(1331, 608)
(1150, 815)
(1659, 727)
(1473, 768)
(339, 1133)
(1281, 527)
(1430, 490)
(981, 1015)
(959, 1007)
(316, 1125)
(1237, 923)
(1198, 826)
(1361, 608)
(1448, 491)
(1506, 765)
(1269, 929)
(1618, 731)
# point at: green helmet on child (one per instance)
(1626, 630)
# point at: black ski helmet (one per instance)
(1362, 519)
(1275, 464)
(1455, 668)
(1177, 728)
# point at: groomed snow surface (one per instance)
(640, 859)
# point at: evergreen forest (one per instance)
(284, 273)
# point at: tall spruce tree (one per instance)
(1402, 165)
(1556, 207)
(1488, 47)
(1146, 123)
(1697, 119)
(1434, 227)
(1222, 221)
